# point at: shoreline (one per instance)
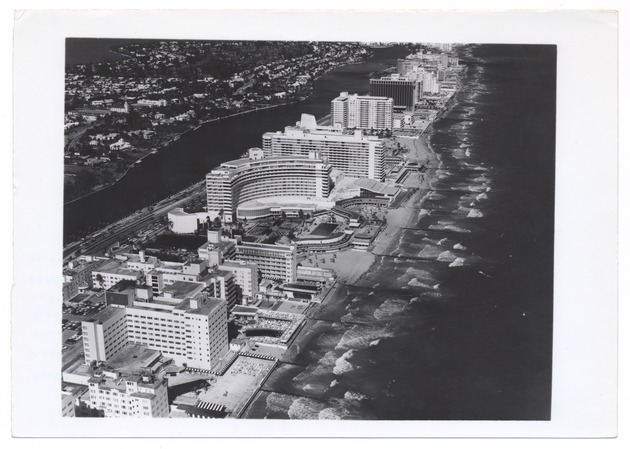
(385, 242)
(175, 138)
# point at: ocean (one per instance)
(455, 322)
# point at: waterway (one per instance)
(198, 151)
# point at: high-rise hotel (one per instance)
(255, 186)
(406, 91)
(183, 324)
(362, 111)
(354, 154)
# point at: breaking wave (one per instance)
(459, 262)
(446, 256)
(342, 365)
(475, 213)
(360, 336)
(389, 308)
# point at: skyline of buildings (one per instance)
(242, 277)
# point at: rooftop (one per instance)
(205, 306)
(106, 314)
(238, 163)
(116, 267)
(183, 289)
(376, 186)
(123, 285)
(132, 359)
(244, 309)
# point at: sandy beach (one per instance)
(349, 264)
(405, 216)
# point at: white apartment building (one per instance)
(362, 111)
(129, 396)
(245, 276)
(354, 154)
(191, 332)
(182, 324)
(168, 273)
(430, 83)
(112, 272)
(77, 274)
(104, 335)
(277, 262)
(223, 286)
(139, 262)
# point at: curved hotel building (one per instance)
(256, 187)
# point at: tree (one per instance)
(99, 279)
(217, 222)
(301, 214)
(284, 215)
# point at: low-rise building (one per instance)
(181, 222)
(139, 396)
(112, 272)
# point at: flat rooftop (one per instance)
(116, 267)
(238, 384)
(183, 289)
(206, 306)
(133, 358)
(105, 314)
(290, 307)
(244, 309)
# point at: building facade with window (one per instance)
(129, 396)
(278, 262)
(362, 111)
(246, 187)
(352, 153)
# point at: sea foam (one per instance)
(446, 256)
(342, 365)
(458, 262)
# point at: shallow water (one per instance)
(456, 321)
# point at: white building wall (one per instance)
(102, 340)
(67, 405)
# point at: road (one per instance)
(144, 220)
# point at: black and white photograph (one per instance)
(309, 229)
